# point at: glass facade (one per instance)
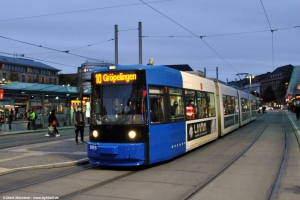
(42, 98)
(294, 85)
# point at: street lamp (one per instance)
(250, 78)
(247, 76)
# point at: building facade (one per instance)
(293, 90)
(27, 71)
(274, 80)
(261, 82)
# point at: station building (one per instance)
(26, 71)
(30, 85)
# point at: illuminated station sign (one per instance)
(113, 78)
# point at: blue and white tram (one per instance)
(144, 114)
(253, 107)
(244, 107)
(229, 106)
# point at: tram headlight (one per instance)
(132, 134)
(95, 133)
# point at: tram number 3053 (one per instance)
(93, 147)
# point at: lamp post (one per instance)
(250, 77)
(247, 76)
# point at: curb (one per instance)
(48, 166)
(31, 131)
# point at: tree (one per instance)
(269, 95)
(282, 88)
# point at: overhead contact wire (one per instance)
(191, 33)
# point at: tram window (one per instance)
(245, 105)
(177, 108)
(176, 104)
(228, 104)
(207, 104)
(190, 106)
(211, 105)
(156, 108)
(119, 104)
(236, 106)
(225, 105)
(253, 104)
(201, 105)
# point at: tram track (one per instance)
(46, 179)
(94, 186)
(276, 184)
(209, 179)
(115, 180)
(206, 182)
(288, 189)
(57, 179)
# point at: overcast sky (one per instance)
(238, 37)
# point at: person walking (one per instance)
(264, 109)
(32, 119)
(53, 122)
(79, 122)
(297, 111)
(28, 120)
(10, 117)
(2, 119)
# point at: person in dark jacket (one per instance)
(297, 111)
(28, 120)
(79, 122)
(264, 109)
(53, 122)
(10, 117)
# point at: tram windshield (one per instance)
(119, 104)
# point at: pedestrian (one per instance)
(264, 109)
(32, 119)
(79, 122)
(1, 120)
(53, 122)
(297, 111)
(28, 120)
(10, 117)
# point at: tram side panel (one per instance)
(166, 141)
(166, 138)
(203, 128)
(244, 106)
(227, 100)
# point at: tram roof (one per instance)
(36, 87)
(180, 67)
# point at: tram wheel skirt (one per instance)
(116, 154)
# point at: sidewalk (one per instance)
(20, 126)
(55, 153)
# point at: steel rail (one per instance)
(199, 187)
(48, 179)
(277, 182)
(96, 185)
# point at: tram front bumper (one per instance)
(116, 154)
